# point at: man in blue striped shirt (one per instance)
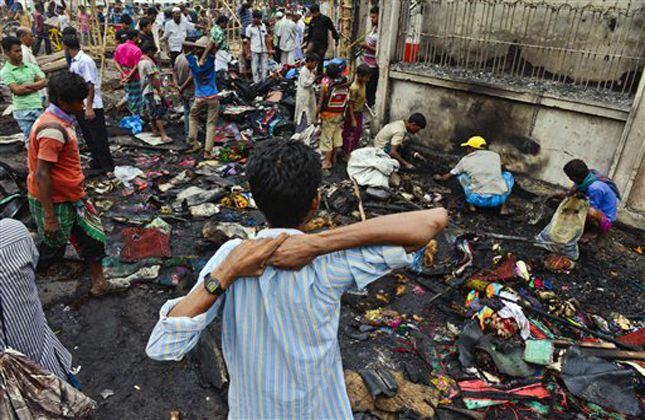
(280, 328)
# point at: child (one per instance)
(357, 96)
(151, 86)
(257, 34)
(305, 95)
(331, 108)
(202, 67)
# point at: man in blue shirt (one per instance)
(602, 193)
(280, 328)
(202, 67)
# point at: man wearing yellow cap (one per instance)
(480, 175)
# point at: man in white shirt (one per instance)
(288, 33)
(175, 32)
(26, 38)
(92, 122)
(257, 34)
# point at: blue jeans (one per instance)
(26, 119)
(187, 103)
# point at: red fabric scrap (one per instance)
(143, 243)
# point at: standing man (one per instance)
(259, 38)
(245, 14)
(24, 81)
(300, 25)
(41, 30)
(27, 38)
(369, 56)
(202, 67)
(288, 34)
(175, 32)
(280, 19)
(55, 183)
(126, 59)
(183, 81)
(280, 328)
(318, 35)
(92, 121)
(24, 322)
(218, 44)
(145, 31)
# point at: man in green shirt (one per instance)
(218, 44)
(24, 81)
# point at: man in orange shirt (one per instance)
(56, 182)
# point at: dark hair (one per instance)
(144, 22)
(375, 10)
(126, 19)
(20, 32)
(167, 14)
(222, 19)
(39, 7)
(151, 11)
(363, 70)
(67, 87)
(314, 9)
(333, 70)
(9, 42)
(131, 34)
(418, 119)
(576, 169)
(148, 47)
(312, 57)
(284, 176)
(71, 41)
(70, 30)
(257, 14)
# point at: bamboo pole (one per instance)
(105, 30)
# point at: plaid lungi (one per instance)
(134, 97)
(78, 223)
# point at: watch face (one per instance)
(212, 285)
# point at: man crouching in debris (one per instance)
(56, 183)
(394, 138)
(280, 328)
(603, 197)
(480, 175)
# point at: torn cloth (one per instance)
(29, 392)
(371, 167)
(143, 243)
(477, 393)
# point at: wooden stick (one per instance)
(357, 193)
(105, 30)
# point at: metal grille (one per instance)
(579, 45)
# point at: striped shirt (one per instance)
(280, 332)
(24, 326)
(246, 18)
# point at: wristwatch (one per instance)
(212, 286)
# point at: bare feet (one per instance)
(504, 210)
(326, 165)
(156, 135)
(472, 208)
(166, 140)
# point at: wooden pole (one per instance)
(104, 44)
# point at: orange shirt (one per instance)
(50, 145)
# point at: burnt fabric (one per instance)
(599, 381)
(30, 392)
(143, 243)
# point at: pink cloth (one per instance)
(83, 18)
(605, 224)
(128, 56)
(351, 135)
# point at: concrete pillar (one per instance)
(387, 36)
(631, 150)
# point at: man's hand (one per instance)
(249, 259)
(51, 227)
(354, 123)
(419, 156)
(89, 114)
(408, 165)
(296, 252)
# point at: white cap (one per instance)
(279, 15)
(176, 10)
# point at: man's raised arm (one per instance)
(411, 230)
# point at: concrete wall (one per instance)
(536, 136)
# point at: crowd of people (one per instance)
(290, 365)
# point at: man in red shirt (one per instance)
(56, 182)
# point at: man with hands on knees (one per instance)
(280, 328)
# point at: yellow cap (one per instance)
(476, 142)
